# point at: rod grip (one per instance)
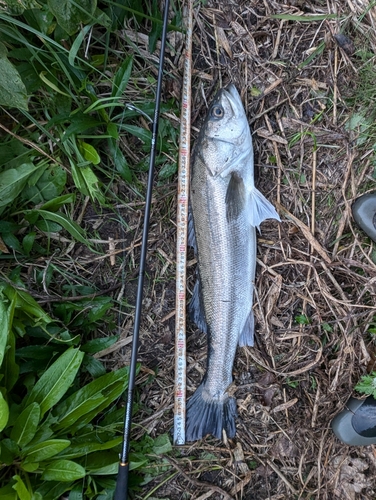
(121, 490)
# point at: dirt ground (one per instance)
(315, 282)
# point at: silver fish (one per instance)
(225, 210)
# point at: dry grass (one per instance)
(316, 263)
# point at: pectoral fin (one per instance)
(235, 197)
(260, 208)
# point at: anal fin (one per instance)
(247, 335)
(196, 308)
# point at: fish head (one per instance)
(226, 137)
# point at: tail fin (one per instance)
(206, 415)
(260, 208)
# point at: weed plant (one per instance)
(65, 78)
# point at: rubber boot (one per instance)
(364, 213)
(356, 424)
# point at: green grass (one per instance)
(69, 139)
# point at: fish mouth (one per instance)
(233, 97)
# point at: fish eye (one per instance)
(217, 112)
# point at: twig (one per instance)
(198, 483)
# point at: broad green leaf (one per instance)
(141, 133)
(10, 368)
(76, 492)
(72, 227)
(26, 425)
(48, 226)
(16, 7)
(43, 451)
(30, 467)
(56, 203)
(12, 89)
(89, 152)
(40, 19)
(4, 327)
(13, 181)
(97, 393)
(96, 345)
(93, 366)
(119, 160)
(4, 412)
(53, 490)
(55, 381)
(87, 182)
(80, 123)
(112, 130)
(48, 186)
(63, 470)
(137, 460)
(122, 77)
(71, 15)
(9, 451)
(21, 489)
(102, 462)
(162, 444)
(25, 302)
(8, 493)
(12, 242)
(83, 449)
(28, 242)
(167, 171)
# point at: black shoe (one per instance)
(364, 213)
(356, 424)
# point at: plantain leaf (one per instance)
(13, 181)
(4, 412)
(96, 394)
(12, 89)
(55, 381)
(89, 152)
(83, 449)
(87, 182)
(21, 489)
(72, 227)
(56, 203)
(26, 425)
(4, 326)
(63, 470)
(8, 493)
(70, 15)
(45, 450)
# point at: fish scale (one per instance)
(226, 208)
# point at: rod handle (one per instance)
(121, 490)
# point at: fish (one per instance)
(225, 210)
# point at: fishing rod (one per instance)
(121, 490)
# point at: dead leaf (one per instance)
(349, 477)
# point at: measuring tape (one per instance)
(181, 240)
